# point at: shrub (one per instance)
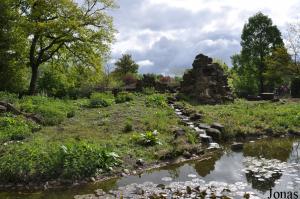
(148, 138)
(15, 128)
(129, 79)
(42, 162)
(52, 111)
(123, 97)
(98, 100)
(128, 127)
(156, 100)
(8, 97)
(149, 91)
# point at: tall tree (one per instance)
(64, 30)
(259, 38)
(12, 71)
(292, 37)
(126, 65)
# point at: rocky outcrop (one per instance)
(206, 82)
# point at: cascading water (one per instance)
(202, 133)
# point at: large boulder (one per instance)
(206, 82)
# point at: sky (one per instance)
(164, 36)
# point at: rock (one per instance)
(178, 133)
(87, 196)
(293, 132)
(161, 186)
(206, 82)
(218, 126)
(196, 116)
(237, 146)
(3, 109)
(187, 154)
(214, 133)
(205, 138)
(99, 192)
(92, 179)
(126, 171)
(140, 162)
(203, 126)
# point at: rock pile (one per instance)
(206, 82)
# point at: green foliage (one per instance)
(52, 111)
(15, 128)
(123, 97)
(126, 65)
(148, 138)
(148, 90)
(128, 127)
(259, 38)
(156, 100)
(8, 97)
(98, 100)
(41, 161)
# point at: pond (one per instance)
(261, 166)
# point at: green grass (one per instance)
(246, 118)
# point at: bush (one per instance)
(123, 97)
(52, 111)
(295, 88)
(128, 127)
(156, 100)
(8, 97)
(149, 91)
(41, 162)
(15, 129)
(99, 100)
(146, 139)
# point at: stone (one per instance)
(214, 133)
(92, 179)
(99, 192)
(196, 116)
(237, 146)
(203, 126)
(179, 133)
(218, 126)
(140, 162)
(3, 109)
(126, 171)
(205, 138)
(187, 154)
(206, 82)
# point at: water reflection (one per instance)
(204, 168)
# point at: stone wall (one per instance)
(206, 82)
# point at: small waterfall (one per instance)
(202, 133)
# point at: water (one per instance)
(262, 165)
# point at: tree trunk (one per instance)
(33, 81)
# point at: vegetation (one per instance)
(243, 118)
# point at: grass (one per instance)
(77, 141)
(247, 117)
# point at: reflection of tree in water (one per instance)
(279, 149)
(204, 167)
(174, 171)
(295, 154)
(264, 185)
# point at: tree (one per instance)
(292, 37)
(62, 30)
(13, 73)
(279, 68)
(126, 65)
(259, 38)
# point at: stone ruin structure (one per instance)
(206, 82)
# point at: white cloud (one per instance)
(171, 33)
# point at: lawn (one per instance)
(253, 117)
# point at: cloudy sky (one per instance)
(164, 36)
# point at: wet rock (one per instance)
(92, 179)
(293, 132)
(214, 133)
(140, 162)
(126, 171)
(203, 126)
(237, 146)
(99, 192)
(218, 126)
(161, 186)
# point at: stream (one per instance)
(261, 166)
